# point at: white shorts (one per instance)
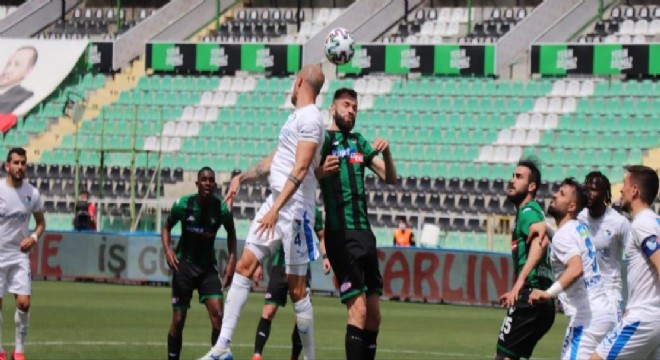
(632, 338)
(15, 279)
(616, 300)
(582, 339)
(293, 231)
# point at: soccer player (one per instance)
(276, 295)
(609, 231)
(286, 218)
(525, 324)
(351, 243)
(578, 284)
(194, 261)
(18, 199)
(637, 335)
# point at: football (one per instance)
(339, 46)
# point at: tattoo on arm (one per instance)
(294, 180)
(261, 169)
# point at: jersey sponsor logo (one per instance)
(592, 281)
(345, 286)
(356, 158)
(16, 215)
(583, 230)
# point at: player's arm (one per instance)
(305, 152)
(166, 236)
(651, 249)
(537, 250)
(258, 171)
(326, 263)
(566, 280)
(383, 167)
(30, 241)
(228, 223)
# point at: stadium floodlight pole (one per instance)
(118, 16)
(74, 108)
(601, 8)
(469, 9)
(132, 178)
(217, 14)
(160, 159)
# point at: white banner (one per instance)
(32, 69)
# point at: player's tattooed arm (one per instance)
(258, 171)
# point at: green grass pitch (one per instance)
(98, 321)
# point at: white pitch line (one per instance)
(205, 344)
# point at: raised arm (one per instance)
(384, 167)
(258, 171)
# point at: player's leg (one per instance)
(302, 307)
(521, 330)
(374, 283)
(210, 294)
(3, 286)
(18, 279)
(298, 244)
(276, 294)
(355, 328)
(182, 288)
(256, 249)
(296, 343)
(631, 338)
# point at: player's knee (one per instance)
(357, 311)
(298, 293)
(269, 312)
(23, 305)
(246, 266)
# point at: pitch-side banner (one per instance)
(416, 274)
(215, 58)
(32, 69)
(596, 59)
(446, 59)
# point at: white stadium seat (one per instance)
(558, 88)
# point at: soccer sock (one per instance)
(370, 344)
(354, 343)
(305, 322)
(236, 298)
(263, 331)
(22, 320)
(214, 336)
(296, 344)
(174, 346)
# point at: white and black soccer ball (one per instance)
(339, 46)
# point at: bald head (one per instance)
(307, 86)
(313, 77)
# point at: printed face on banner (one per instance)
(31, 69)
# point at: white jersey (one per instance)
(643, 285)
(609, 234)
(16, 207)
(586, 299)
(304, 124)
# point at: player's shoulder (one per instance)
(583, 215)
(646, 219)
(308, 111)
(531, 208)
(359, 136)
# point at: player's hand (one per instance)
(172, 261)
(331, 165)
(380, 145)
(538, 296)
(27, 244)
(508, 299)
(228, 276)
(326, 266)
(267, 225)
(258, 275)
(232, 190)
(537, 229)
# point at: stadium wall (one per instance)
(472, 278)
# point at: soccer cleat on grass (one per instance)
(218, 354)
(256, 357)
(17, 356)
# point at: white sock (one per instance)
(21, 319)
(236, 299)
(305, 321)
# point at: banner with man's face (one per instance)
(32, 69)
